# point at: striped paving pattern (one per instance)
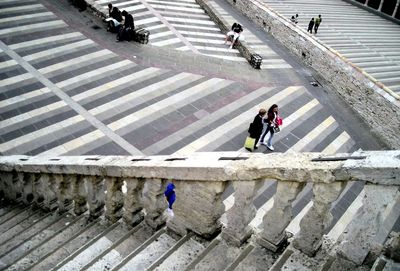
(369, 41)
(62, 94)
(182, 25)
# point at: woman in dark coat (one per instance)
(257, 126)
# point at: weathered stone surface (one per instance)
(392, 247)
(198, 207)
(79, 194)
(62, 189)
(242, 212)
(133, 201)
(114, 199)
(95, 192)
(366, 227)
(276, 219)
(318, 218)
(154, 202)
(45, 191)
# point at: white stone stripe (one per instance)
(31, 114)
(216, 49)
(61, 49)
(316, 134)
(168, 105)
(160, 35)
(134, 8)
(153, 27)
(42, 41)
(7, 64)
(189, 21)
(146, 21)
(86, 77)
(88, 59)
(14, 80)
(175, 3)
(164, 7)
(183, 14)
(230, 58)
(124, 3)
(24, 97)
(208, 41)
(335, 145)
(20, 8)
(235, 125)
(29, 28)
(275, 66)
(166, 42)
(151, 91)
(27, 17)
(203, 34)
(134, 77)
(198, 28)
(4, 147)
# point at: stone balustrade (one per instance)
(132, 188)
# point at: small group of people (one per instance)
(314, 23)
(295, 18)
(271, 120)
(234, 35)
(121, 23)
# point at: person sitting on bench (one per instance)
(234, 34)
(126, 32)
(115, 19)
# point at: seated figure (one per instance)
(234, 34)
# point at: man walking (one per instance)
(318, 21)
(310, 25)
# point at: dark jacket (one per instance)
(170, 193)
(129, 21)
(311, 24)
(115, 14)
(256, 127)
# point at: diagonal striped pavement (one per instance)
(369, 41)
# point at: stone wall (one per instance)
(377, 105)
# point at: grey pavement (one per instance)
(69, 88)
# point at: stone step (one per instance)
(56, 256)
(181, 257)
(12, 213)
(112, 257)
(218, 258)
(95, 248)
(258, 259)
(5, 209)
(24, 247)
(18, 218)
(381, 75)
(148, 254)
(56, 242)
(243, 254)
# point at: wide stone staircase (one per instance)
(365, 39)
(108, 213)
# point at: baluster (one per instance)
(79, 194)
(95, 190)
(114, 198)
(44, 192)
(278, 218)
(368, 228)
(63, 186)
(28, 181)
(241, 213)
(318, 218)
(133, 201)
(198, 207)
(154, 202)
(11, 186)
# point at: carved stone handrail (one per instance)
(132, 188)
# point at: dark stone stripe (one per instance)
(34, 20)
(11, 72)
(21, 87)
(18, 3)
(9, 40)
(28, 105)
(328, 140)
(109, 148)
(143, 105)
(265, 196)
(63, 56)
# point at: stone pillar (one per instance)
(366, 2)
(198, 207)
(279, 216)
(154, 202)
(96, 195)
(395, 9)
(242, 212)
(367, 226)
(318, 218)
(45, 195)
(133, 201)
(380, 5)
(79, 194)
(114, 198)
(63, 191)
(10, 182)
(28, 180)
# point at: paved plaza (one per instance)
(69, 89)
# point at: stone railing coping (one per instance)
(382, 167)
(244, 48)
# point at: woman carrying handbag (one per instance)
(272, 121)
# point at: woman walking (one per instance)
(271, 122)
(256, 127)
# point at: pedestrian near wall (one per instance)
(296, 18)
(170, 196)
(310, 25)
(318, 21)
(271, 122)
